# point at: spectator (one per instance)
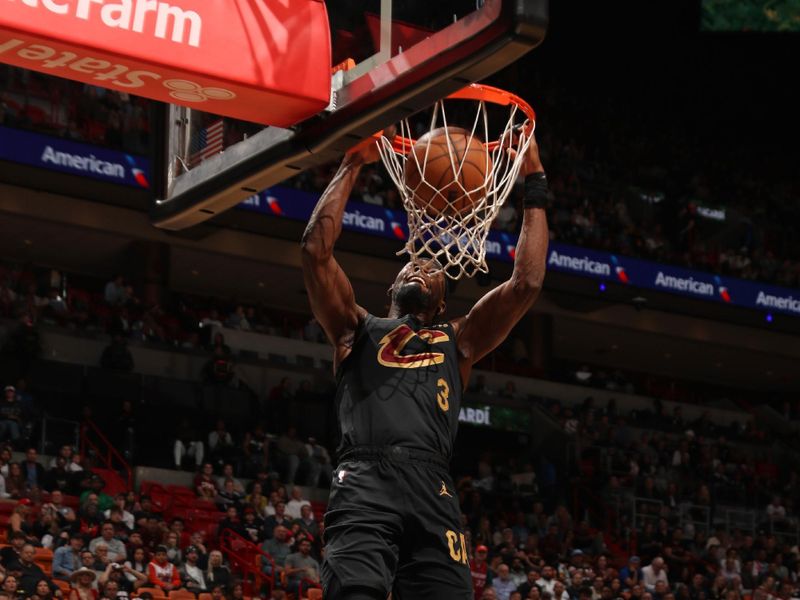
(503, 584)
(479, 570)
(67, 558)
(228, 496)
(120, 581)
(218, 593)
(10, 554)
(204, 483)
(306, 522)
(89, 561)
(47, 529)
(227, 475)
(217, 574)
(232, 521)
(18, 522)
(631, 574)
(5, 459)
(302, 569)
(256, 500)
(237, 319)
(253, 526)
(57, 502)
(211, 320)
(96, 494)
(82, 585)
(161, 573)
(16, 487)
(11, 416)
(189, 444)
(174, 553)
(137, 565)
(102, 557)
(29, 572)
(280, 518)
(293, 454)
(653, 573)
(43, 591)
(126, 517)
(191, 574)
(58, 478)
(547, 582)
(296, 503)
(74, 465)
(220, 444)
(776, 512)
(33, 470)
(529, 584)
(319, 463)
(255, 447)
(279, 548)
(220, 367)
(518, 573)
(10, 588)
(116, 293)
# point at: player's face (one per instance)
(419, 288)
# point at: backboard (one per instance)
(391, 59)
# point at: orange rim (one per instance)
(477, 92)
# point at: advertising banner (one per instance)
(266, 62)
(75, 158)
(602, 266)
(495, 417)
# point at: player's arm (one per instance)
(329, 290)
(492, 318)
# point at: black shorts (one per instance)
(393, 524)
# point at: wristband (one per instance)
(535, 190)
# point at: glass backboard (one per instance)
(391, 59)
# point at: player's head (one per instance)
(419, 289)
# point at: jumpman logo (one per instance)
(443, 491)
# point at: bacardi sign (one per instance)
(258, 60)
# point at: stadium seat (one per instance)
(204, 596)
(314, 594)
(181, 595)
(44, 558)
(64, 586)
(157, 593)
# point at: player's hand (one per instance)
(531, 163)
(367, 151)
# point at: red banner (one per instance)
(266, 61)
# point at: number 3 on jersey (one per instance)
(443, 395)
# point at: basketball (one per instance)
(445, 184)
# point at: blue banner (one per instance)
(602, 266)
(75, 158)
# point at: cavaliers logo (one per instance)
(390, 351)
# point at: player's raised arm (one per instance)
(329, 290)
(494, 315)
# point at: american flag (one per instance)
(206, 143)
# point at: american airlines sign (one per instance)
(603, 267)
(229, 57)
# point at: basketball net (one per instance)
(456, 235)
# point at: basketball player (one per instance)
(393, 522)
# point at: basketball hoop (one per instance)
(453, 234)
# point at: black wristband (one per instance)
(535, 190)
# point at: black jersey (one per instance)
(400, 386)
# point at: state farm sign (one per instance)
(267, 62)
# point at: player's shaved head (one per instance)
(419, 289)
